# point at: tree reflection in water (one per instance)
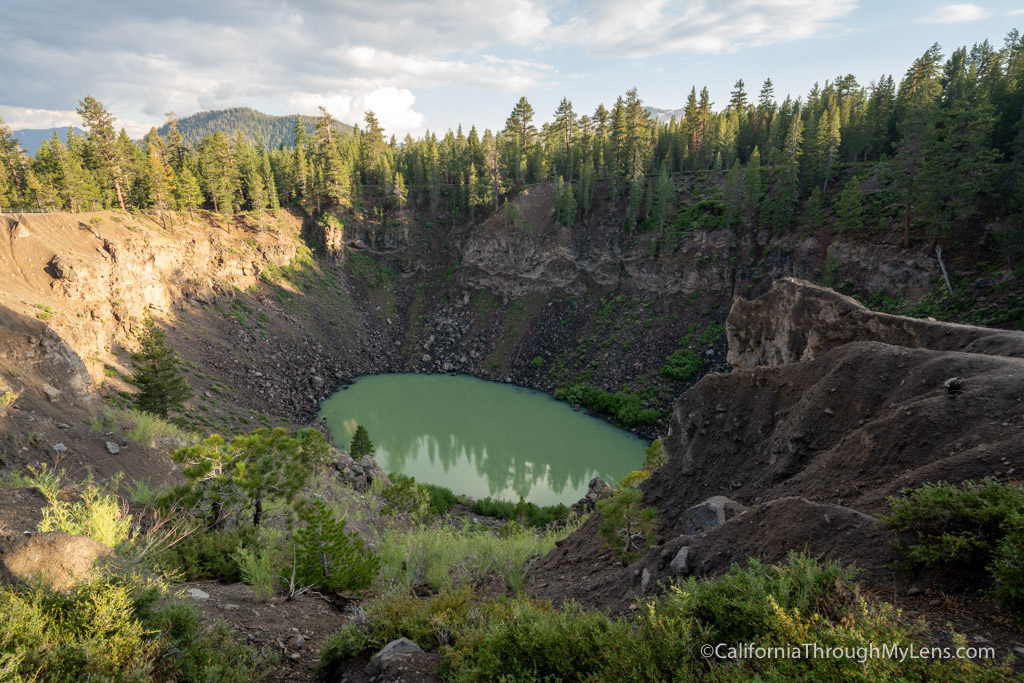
(482, 438)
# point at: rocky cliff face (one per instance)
(797, 321)
(829, 410)
(103, 272)
(525, 251)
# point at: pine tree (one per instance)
(665, 192)
(849, 215)
(161, 382)
(326, 556)
(361, 444)
(100, 125)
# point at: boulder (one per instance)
(64, 559)
(63, 269)
(679, 565)
(597, 489)
(391, 654)
(707, 515)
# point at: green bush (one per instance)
(655, 456)
(114, 630)
(531, 641)
(210, 556)
(94, 511)
(260, 564)
(977, 526)
(802, 600)
(397, 615)
(537, 362)
(441, 498)
(627, 528)
(525, 513)
(682, 365)
(626, 408)
(405, 497)
(443, 557)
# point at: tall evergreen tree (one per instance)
(100, 127)
(158, 375)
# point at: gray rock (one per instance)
(197, 594)
(713, 512)
(113, 448)
(392, 653)
(645, 580)
(52, 393)
(60, 447)
(679, 563)
(426, 358)
(63, 269)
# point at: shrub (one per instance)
(532, 641)
(626, 408)
(259, 564)
(634, 479)
(682, 365)
(537, 362)
(406, 497)
(397, 615)
(441, 498)
(445, 557)
(114, 629)
(327, 557)
(209, 556)
(655, 456)
(138, 426)
(975, 526)
(98, 513)
(529, 514)
(8, 398)
(625, 526)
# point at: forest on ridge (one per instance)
(946, 140)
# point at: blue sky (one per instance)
(434, 65)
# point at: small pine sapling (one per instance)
(161, 382)
(326, 556)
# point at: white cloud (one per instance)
(1015, 12)
(392, 106)
(650, 27)
(955, 14)
(25, 117)
(143, 59)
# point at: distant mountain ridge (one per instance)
(664, 115)
(31, 139)
(272, 131)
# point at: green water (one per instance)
(482, 438)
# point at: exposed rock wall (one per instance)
(797, 321)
